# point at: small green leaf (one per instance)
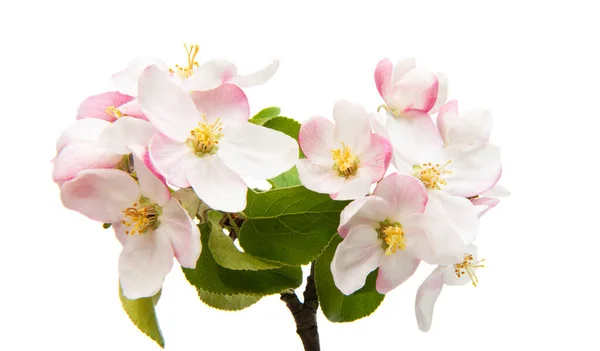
(290, 225)
(265, 115)
(336, 306)
(227, 302)
(286, 179)
(142, 314)
(188, 200)
(211, 277)
(287, 126)
(227, 255)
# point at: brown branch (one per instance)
(305, 314)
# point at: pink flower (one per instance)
(388, 230)
(460, 273)
(345, 158)
(206, 141)
(405, 88)
(151, 225)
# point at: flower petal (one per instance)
(75, 158)
(470, 127)
(415, 90)
(210, 75)
(352, 126)
(355, 186)
(182, 232)
(394, 270)
(100, 194)
(83, 131)
(151, 187)
(255, 151)
(355, 257)
(442, 93)
(126, 81)
(383, 78)
(318, 178)
(316, 138)
(227, 103)
(171, 159)
(406, 195)
(133, 109)
(497, 191)
(376, 157)
(424, 237)
(144, 262)
(169, 108)
(369, 211)
(126, 132)
(427, 295)
(401, 67)
(95, 106)
(258, 77)
(484, 204)
(216, 185)
(475, 168)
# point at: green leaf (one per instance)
(286, 179)
(287, 126)
(226, 254)
(336, 306)
(211, 277)
(227, 302)
(265, 115)
(289, 225)
(142, 314)
(188, 200)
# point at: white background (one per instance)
(533, 64)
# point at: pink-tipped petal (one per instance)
(126, 81)
(377, 157)
(401, 67)
(394, 270)
(216, 185)
(170, 158)
(144, 262)
(87, 130)
(415, 91)
(126, 132)
(405, 194)
(318, 178)
(427, 295)
(369, 211)
(470, 127)
(95, 106)
(210, 75)
(447, 111)
(151, 187)
(100, 194)
(475, 168)
(182, 232)
(484, 204)
(75, 158)
(355, 186)
(170, 109)
(227, 103)
(352, 126)
(442, 93)
(355, 257)
(255, 151)
(258, 77)
(383, 78)
(316, 138)
(133, 109)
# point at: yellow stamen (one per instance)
(467, 266)
(392, 111)
(432, 174)
(205, 138)
(113, 111)
(140, 220)
(345, 162)
(393, 237)
(186, 72)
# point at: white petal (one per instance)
(401, 67)
(150, 186)
(369, 210)
(125, 133)
(316, 138)
(216, 185)
(170, 109)
(497, 191)
(442, 94)
(144, 262)
(355, 257)
(82, 131)
(405, 194)
(394, 270)
(427, 295)
(228, 104)
(425, 240)
(319, 178)
(254, 151)
(351, 126)
(258, 77)
(475, 168)
(182, 232)
(126, 81)
(469, 127)
(209, 75)
(75, 158)
(355, 186)
(171, 159)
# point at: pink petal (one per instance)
(216, 185)
(75, 158)
(376, 157)
(442, 93)
(258, 77)
(416, 90)
(210, 75)
(169, 108)
(394, 270)
(126, 81)
(484, 204)
(369, 211)
(133, 109)
(401, 67)
(171, 159)
(383, 78)
(87, 130)
(95, 106)
(125, 133)
(182, 232)
(405, 194)
(355, 257)
(151, 186)
(144, 262)
(475, 168)
(100, 194)
(257, 152)
(355, 186)
(427, 295)
(352, 126)
(316, 138)
(228, 103)
(319, 178)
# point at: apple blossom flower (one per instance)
(459, 273)
(345, 158)
(151, 225)
(193, 76)
(206, 141)
(389, 230)
(405, 88)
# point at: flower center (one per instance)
(205, 138)
(393, 237)
(186, 72)
(432, 175)
(468, 267)
(140, 218)
(345, 162)
(113, 111)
